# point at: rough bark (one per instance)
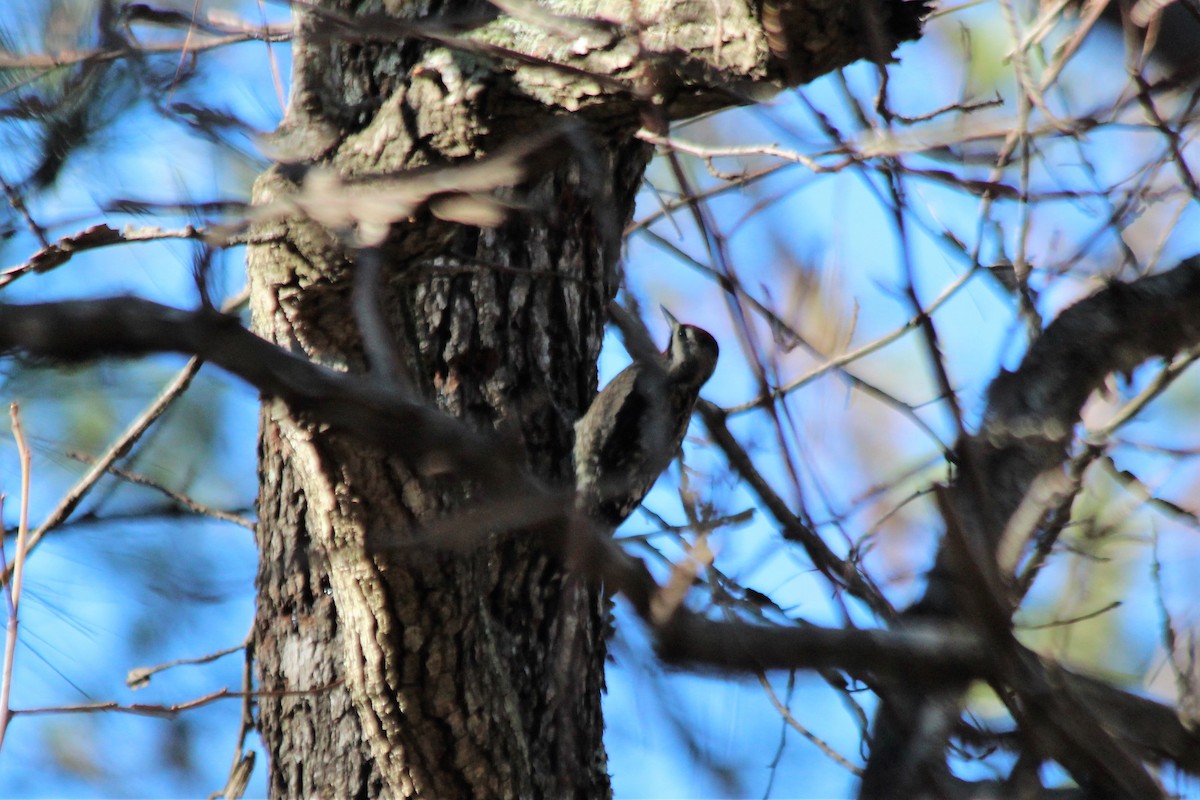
(407, 649)
(475, 673)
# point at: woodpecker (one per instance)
(636, 425)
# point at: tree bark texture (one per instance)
(390, 666)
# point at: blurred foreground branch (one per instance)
(939, 645)
(1025, 437)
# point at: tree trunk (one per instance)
(484, 664)
(391, 665)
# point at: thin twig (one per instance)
(173, 390)
(179, 497)
(820, 743)
(14, 589)
(128, 438)
(171, 711)
(139, 677)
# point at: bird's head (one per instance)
(692, 353)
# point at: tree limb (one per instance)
(379, 415)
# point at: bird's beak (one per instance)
(670, 317)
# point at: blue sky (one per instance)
(105, 598)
